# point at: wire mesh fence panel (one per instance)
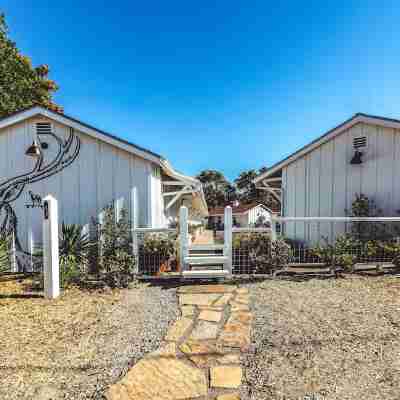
(150, 263)
(242, 262)
(366, 240)
(154, 261)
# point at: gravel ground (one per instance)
(75, 347)
(325, 339)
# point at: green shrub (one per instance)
(74, 249)
(116, 261)
(343, 252)
(266, 255)
(4, 254)
(161, 243)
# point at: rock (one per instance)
(239, 307)
(231, 396)
(167, 350)
(232, 358)
(198, 299)
(207, 289)
(195, 347)
(117, 392)
(226, 377)
(223, 300)
(178, 329)
(204, 331)
(209, 315)
(243, 317)
(163, 379)
(188, 311)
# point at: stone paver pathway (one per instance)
(200, 356)
(205, 237)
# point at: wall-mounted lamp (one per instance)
(357, 158)
(33, 150)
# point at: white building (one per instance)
(85, 173)
(243, 215)
(361, 155)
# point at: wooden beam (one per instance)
(176, 197)
(179, 191)
(173, 183)
(270, 190)
(278, 179)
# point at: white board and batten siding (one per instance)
(102, 173)
(254, 213)
(323, 183)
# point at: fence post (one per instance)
(134, 216)
(273, 228)
(228, 237)
(50, 248)
(13, 254)
(184, 236)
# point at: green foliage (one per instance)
(363, 206)
(116, 261)
(246, 188)
(392, 249)
(70, 271)
(4, 254)
(74, 242)
(217, 189)
(75, 247)
(339, 254)
(21, 85)
(266, 255)
(161, 243)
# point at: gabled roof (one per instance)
(354, 120)
(240, 209)
(81, 126)
(107, 138)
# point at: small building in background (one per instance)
(243, 215)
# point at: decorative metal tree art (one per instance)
(12, 188)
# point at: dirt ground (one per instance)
(325, 339)
(75, 346)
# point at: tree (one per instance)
(22, 85)
(246, 187)
(217, 189)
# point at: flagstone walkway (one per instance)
(200, 357)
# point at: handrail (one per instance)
(153, 230)
(336, 219)
(250, 229)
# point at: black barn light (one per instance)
(357, 158)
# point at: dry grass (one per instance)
(41, 339)
(331, 339)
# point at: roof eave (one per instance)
(355, 119)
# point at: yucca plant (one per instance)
(74, 250)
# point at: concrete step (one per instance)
(205, 254)
(202, 247)
(204, 274)
(206, 267)
(213, 260)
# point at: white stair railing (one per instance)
(228, 238)
(184, 236)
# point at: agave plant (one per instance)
(74, 244)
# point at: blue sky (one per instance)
(222, 85)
